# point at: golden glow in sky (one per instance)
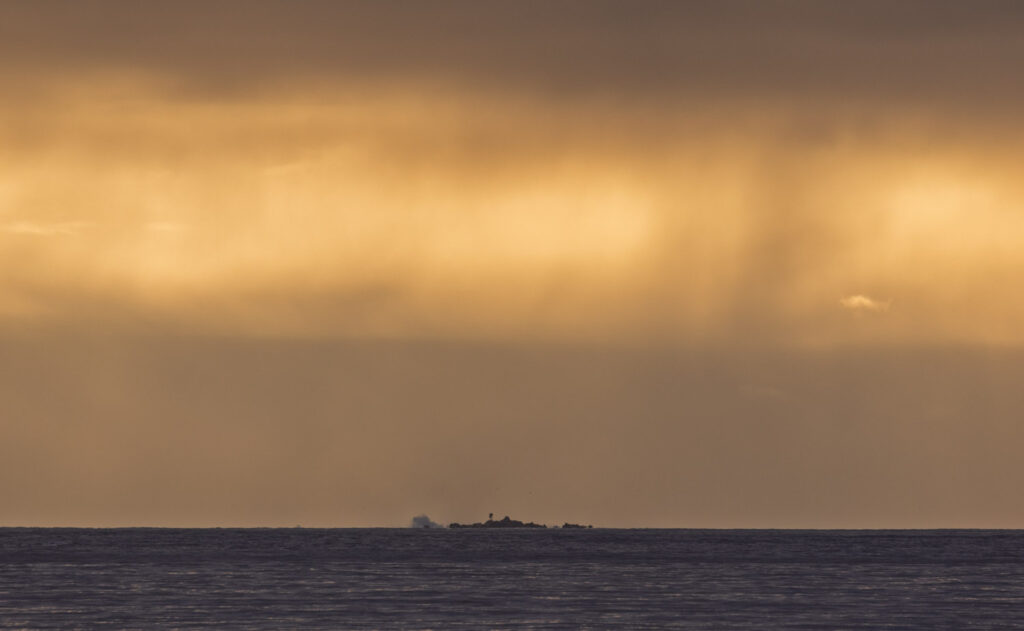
(439, 213)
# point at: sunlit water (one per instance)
(442, 579)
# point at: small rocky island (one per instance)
(508, 522)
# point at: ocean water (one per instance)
(510, 579)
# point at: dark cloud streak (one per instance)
(935, 53)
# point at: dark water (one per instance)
(441, 579)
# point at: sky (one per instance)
(635, 264)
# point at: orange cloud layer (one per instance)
(408, 212)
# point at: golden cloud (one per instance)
(406, 211)
(860, 302)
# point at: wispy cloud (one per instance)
(14, 306)
(36, 229)
(166, 227)
(861, 303)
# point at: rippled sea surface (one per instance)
(444, 579)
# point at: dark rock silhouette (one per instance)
(507, 522)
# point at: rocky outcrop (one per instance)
(507, 522)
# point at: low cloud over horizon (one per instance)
(156, 431)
